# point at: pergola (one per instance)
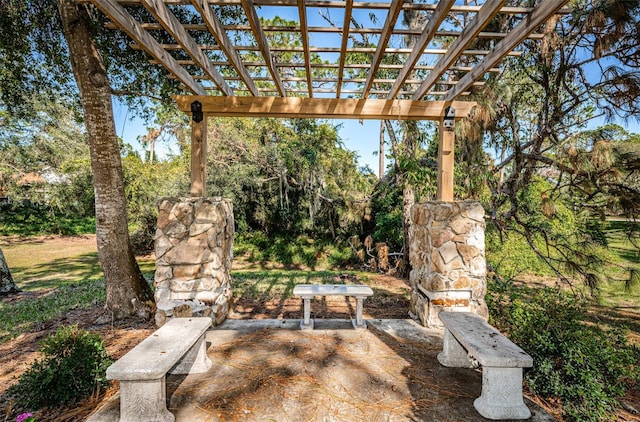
(327, 59)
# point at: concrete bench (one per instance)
(469, 339)
(308, 291)
(178, 347)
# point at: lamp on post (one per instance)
(196, 111)
(447, 122)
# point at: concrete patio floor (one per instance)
(269, 370)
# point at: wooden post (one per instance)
(446, 142)
(199, 158)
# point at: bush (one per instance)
(587, 367)
(73, 368)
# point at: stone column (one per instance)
(194, 250)
(447, 255)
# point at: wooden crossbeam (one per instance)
(322, 108)
(394, 11)
(261, 39)
(117, 14)
(302, 13)
(482, 19)
(173, 26)
(434, 51)
(152, 26)
(345, 38)
(515, 37)
(216, 29)
(507, 10)
(427, 35)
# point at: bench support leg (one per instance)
(143, 401)
(359, 322)
(195, 361)
(307, 322)
(501, 396)
(453, 355)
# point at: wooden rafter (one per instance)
(322, 108)
(515, 37)
(482, 19)
(117, 14)
(173, 26)
(232, 68)
(304, 34)
(345, 39)
(394, 11)
(261, 39)
(215, 27)
(427, 35)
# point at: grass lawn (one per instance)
(47, 262)
(626, 256)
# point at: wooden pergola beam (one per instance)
(434, 51)
(507, 10)
(387, 30)
(482, 19)
(173, 26)
(322, 108)
(427, 35)
(261, 39)
(304, 34)
(134, 30)
(515, 37)
(215, 27)
(152, 26)
(345, 39)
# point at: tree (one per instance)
(534, 118)
(128, 292)
(7, 285)
(40, 39)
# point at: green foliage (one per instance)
(588, 367)
(39, 220)
(73, 368)
(511, 256)
(287, 177)
(386, 210)
(145, 184)
(292, 251)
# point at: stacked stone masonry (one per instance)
(447, 255)
(194, 250)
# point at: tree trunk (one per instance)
(7, 285)
(127, 291)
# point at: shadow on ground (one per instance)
(270, 370)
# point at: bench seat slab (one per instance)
(144, 401)
(501, 396)
(157, 354)
(484, 342)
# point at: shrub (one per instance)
(73, 368)
(587, 367)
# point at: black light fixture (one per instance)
(449, 117)
(196, 111)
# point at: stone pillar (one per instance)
(447, 255)
(194, 250)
